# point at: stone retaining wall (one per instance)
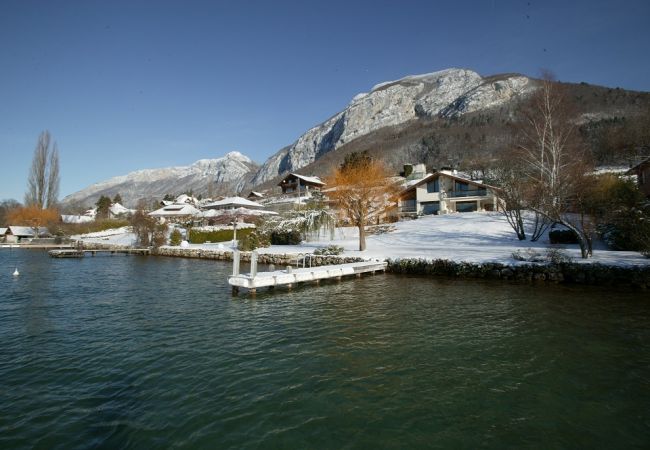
(595, 274)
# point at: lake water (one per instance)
(145, 352)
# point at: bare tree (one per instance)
(43, 180)
(554, 159)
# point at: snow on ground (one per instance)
(470, 237)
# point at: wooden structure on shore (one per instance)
(291, 276)
(80, 252)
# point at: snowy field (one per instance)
(470, 237)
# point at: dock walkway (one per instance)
(291, 276)
(80, 253)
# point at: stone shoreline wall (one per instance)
(594, 274)
(573, 273)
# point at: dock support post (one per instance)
(235, 290)
(254, 264)
(235, 262)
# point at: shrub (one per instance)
(286, 237)
(563, 237)
(330, 250)
(557, 256)
(253, 240)
(175, 238)
(529, 255)
(201, 237)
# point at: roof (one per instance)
(175, 210)
(71, 218)
(237, 212)
(234, 201)
(117, 209)
(455, 177)
(312, 180)
(26, 231)
(255, 194)
(3, 231)
(633, 170)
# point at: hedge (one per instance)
(200, 237)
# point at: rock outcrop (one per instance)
(448, 93)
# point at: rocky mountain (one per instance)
(227, 174)
(454, 117)
(449, 93)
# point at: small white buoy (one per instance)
(16, 273)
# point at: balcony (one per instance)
(461, 194)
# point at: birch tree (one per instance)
(554, 158)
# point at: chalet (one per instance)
(642, 172)
(295, 183)
(255, 196)
(445, 192)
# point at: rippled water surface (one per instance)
(145, 352)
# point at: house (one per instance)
(445, 192)
(2, 234)
(255, 196)
(233, 203)
(15, 234)
(294, 182)
(642, 172)
(176, 212)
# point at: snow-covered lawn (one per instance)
(470, 237)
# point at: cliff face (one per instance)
(221, 175)
(448, 93)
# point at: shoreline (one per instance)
(594, 274)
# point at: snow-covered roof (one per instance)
(71, 218)
(184, 198)
(176, 210)
(232, 202)
(256, 194)
(313, 180)
(238, 212)
(26, 231)
(2, 231)
(117, 209)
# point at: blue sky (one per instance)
(127, 85)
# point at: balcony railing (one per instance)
(475, 193)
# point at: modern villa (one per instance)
(445, 192)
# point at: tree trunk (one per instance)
(583, 240)
(362, 237)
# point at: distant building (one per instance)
(295, 183)
(176, 212)
(16, 234)
(255, 196)
(642, 172)
(233, 203)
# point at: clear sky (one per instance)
(127, 85)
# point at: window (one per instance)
(460, 186)
(466, 207)
(433, 186)
(430, 208)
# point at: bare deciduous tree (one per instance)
(554, 158)
(43, 180)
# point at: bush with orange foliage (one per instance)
(33, 216)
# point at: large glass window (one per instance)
(460, 186)
(430, 208)
(466, 207)
(433, 186)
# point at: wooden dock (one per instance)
(290, 276)
(80, 253)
